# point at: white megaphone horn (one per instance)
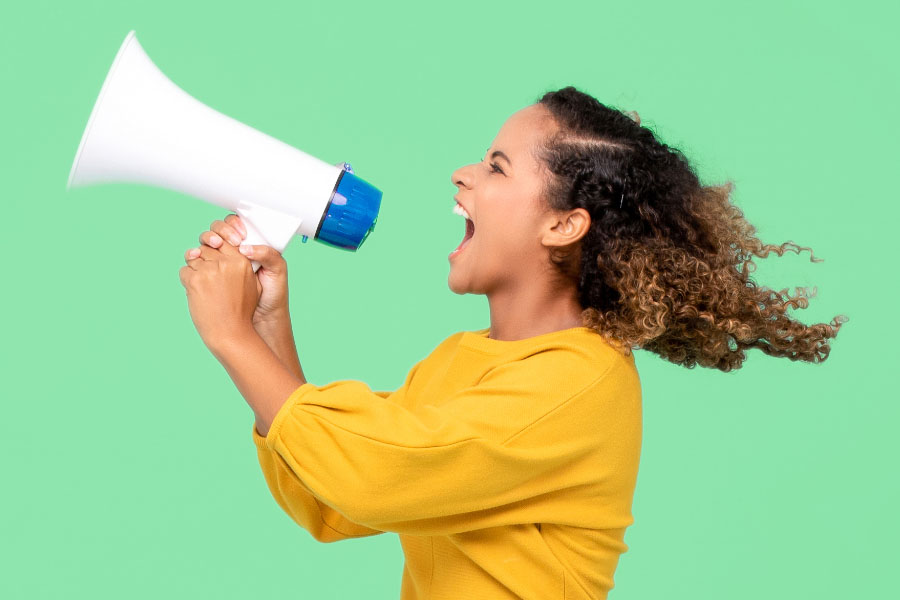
(145, 129)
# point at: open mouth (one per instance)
(470, 231)
(470, 227)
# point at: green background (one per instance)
(128, 466)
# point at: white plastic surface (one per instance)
(145, 129)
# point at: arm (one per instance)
(322, 522)
(260, 356)
(263, 381)
(278, 334)
(449, 466)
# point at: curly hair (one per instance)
(665, 263)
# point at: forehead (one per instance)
(524, 130)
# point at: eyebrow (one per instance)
(501, 155)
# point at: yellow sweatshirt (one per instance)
(507, 468)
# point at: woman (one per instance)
(508, 459)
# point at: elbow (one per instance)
(326, 535)
(355, 511)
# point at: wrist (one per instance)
(233, 343)
(273, 321)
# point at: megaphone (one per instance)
(145, 129)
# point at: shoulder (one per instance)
(583, 356)
(590, 397)
(559, 367)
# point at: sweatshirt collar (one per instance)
(479, 339)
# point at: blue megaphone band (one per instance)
(351, 213)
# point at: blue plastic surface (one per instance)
(352, 213)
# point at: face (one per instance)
(502, 196)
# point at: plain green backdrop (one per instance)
(128, 467)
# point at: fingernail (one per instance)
(215, 239)
(194, 252)
(235, 240)
(246, 250)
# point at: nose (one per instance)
(460, 177)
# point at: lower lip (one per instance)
(459, 248)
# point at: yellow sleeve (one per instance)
(322, 522)
(438, 471)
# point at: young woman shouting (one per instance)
(508, 459)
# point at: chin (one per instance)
(456, 289)
(457, 286)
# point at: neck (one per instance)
(533, 310)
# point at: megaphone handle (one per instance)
(281, 227)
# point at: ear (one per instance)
(566, 228)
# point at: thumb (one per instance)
(268, 257)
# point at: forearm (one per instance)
(262, 379)
(279, 336)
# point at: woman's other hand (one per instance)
(272, 273)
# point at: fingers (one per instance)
(192, 258)
(195, 257)
(269, 258)
(231, 229)
(211, 239)
(235, 221)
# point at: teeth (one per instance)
(459, 210)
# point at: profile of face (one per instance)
(513, 229)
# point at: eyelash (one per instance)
(495, 167)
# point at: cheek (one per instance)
(506, 223)
(509, 236)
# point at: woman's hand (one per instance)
(272, 273)
(222, 293)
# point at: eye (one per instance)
(496, 168)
